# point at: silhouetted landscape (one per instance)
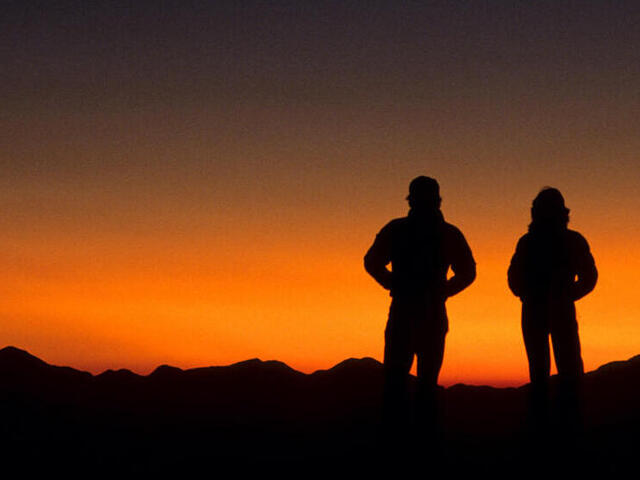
(263, 414)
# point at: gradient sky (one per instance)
(196, 183)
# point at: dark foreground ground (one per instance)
(255, 417)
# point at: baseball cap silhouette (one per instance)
(424, 190)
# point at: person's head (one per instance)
(548, 209)
(424, 194)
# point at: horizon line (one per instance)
(494, 384)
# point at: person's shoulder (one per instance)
(573, 234)
(395, 223)
(522, 242)
(393, 226)
(452, 230)
(453, 236)
(576, 238)
(524, 238)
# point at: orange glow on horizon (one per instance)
(308, 305)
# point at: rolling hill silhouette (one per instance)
(255, 414)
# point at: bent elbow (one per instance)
(514, 279)
(469, 276)
(368, 263)
(515, 288)
(590, 278)
(472, 274)
(511, 282)
(594, 279)
(371, 265)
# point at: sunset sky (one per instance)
(196, 183)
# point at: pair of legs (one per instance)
(416, 327)
(541, 320)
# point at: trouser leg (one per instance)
(536, 341)
(535, 334)
(430, 359)
(566, 349)
(395, 397)
(398, 357)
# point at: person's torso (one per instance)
(550, 264)
(419, 257)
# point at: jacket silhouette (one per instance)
(421, 249)
(551, 268)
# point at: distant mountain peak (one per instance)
(633, 362)
(165, 370)
(256, 363)
(250, 362)
(120, 373)
(15, 355)
(11, 350)
(365, 362)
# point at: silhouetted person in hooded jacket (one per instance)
(421, 248)
(552, 268)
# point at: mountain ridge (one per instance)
(255, 410)
(20, 357)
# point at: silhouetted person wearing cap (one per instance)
(421, 248)
(552, 268)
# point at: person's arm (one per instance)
(585, 270)
(378, 257)
(462, 264)
(515, 274)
